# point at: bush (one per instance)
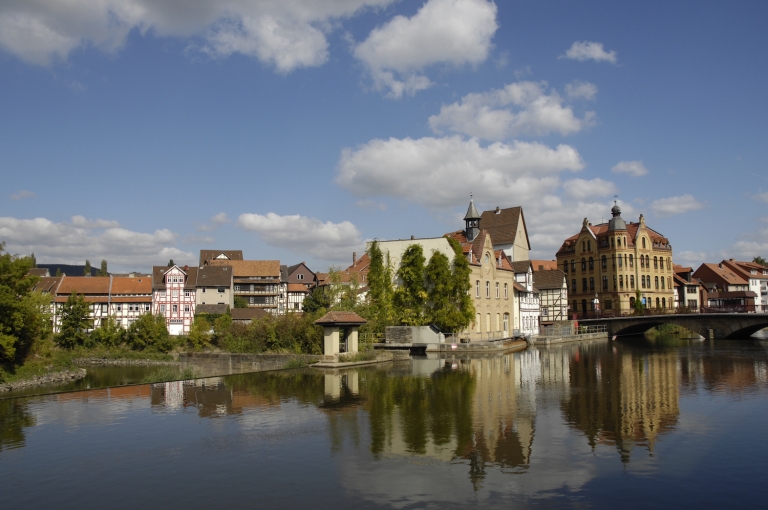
(109, 334)
(287, 333)
(200, 333)
(149, 332)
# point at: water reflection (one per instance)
(14, 418)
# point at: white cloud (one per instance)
(327, 241)
(216, 221)
(691, 258)
(587, 50)
(581, 90)
(455, 32)
(675, 205)
(761, 197)
(286, 34)
(490, 117)
(439, 172)
(82, 222)
(20, 195)
(73, 242)
(581, 189)
(633, 168)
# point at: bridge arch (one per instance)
(731, 325)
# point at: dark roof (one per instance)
(211, 309)
(38, 271)
(68, 269)
(208, 255)
(340, 319)
(158, 272)
(48, 284)
(549, 279)
(502, 224)
(521, 266)
(247, 314)
(214, 276)
(472, 213)
(284, 273)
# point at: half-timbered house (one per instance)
(173, 296)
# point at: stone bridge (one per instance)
(708, 325)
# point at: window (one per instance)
(632, 281)
(605, 283)
(584, 305)
(657, 282)
(614, 282)
(162, 292)
(544, 311)
(621, 281)
(506, 322)
(497, 290)
(631, 260)
(573, 265)
(643, 242)
(642, 262)
(591, 264)
(669, 264)
(613, 242)
(584, 284)
(661, 262)
(477, 322)
(175, 308)
(591, 284)
(604, 262)
(658, 303)
(186, 308)
(299, 276)
(488, 289)
(663, 302)
(162, 308)
(118, 307)
(221, 290)
(608, 304)
(655, 263)
(573, 286)
(187, 293)
(506, 291)
(477, 288)
(662, 282)
(589, 245)
(565, 267)
(620, 262)
(631, 302)
(146, 307)
(104, 308)
(583, 264)
(175, 293)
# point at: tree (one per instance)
(170, 263)
(410, 297)
(438, 282)
(462, 308)
(380, 290)
(316, 300)
(75, 322)
(200, 333)
(639, 306)
(58, 271)
(109, 333)
(103, 270)
(24, 315)
(241, 302)
(149, 332)
(87, 269)
(759, 260)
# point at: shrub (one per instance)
(109, 334)
(200, 333)
(149, 332)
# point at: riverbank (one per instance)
(59, 377)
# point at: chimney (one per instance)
(412, 238)
(497, 210)
(354, 258)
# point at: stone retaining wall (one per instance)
(85, 362)
(545, 340)
(63, 376)
(209, 364)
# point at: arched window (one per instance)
(662, 282)
(631, 260)
(583, 246)
(591, 284)
(565, 267)
(584, 305)
(584, 284)
(657, 281)
(477, 289)
(632, 281)
(614, 282)
(613, 242)
(487, 322)
(621, 281)
(589, 245)
(631, 302)
(663, 302)
(621, 263)
(487, 289)
(647, 261)
(613, 260)
(604, 262)
(669, 282)
(642, 262)
(643, 242)
(583, 264)
(661, 262)
(669, 263)
(658, 303)
(573, 286)
(573, 265)
(591, 264)
(477, 323)
(655, 263)
(497, 291)
(605, 283)
(506, 291)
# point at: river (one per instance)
(633, 423)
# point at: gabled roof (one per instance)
(712, 273)
(208, 255)
(340, 318)
(601, 231)
(255, 268)
(247, 314)
(297, 287)
(211, 309)
(158, 275)
(502, 224)
(127, 285)
(544, 265)
(39, 271)
(48, 284)
(522, 266)
(744, 269)
(549, 279)
(214, 276)
(84, 285)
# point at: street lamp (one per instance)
(596, 303)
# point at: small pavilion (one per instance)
(340, 331)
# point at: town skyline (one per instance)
(171, 131)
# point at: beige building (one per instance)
(607, 264)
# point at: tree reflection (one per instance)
(14, 417)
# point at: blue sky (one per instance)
(142, 130)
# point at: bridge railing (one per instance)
(572, 330)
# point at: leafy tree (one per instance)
(241, 302)
(316, 300)
(410, 297)
(103, 270)
(639, 306)
(380, 290)
(200, 333)
(75, 322)
(24, 316)
(87, 269)
(463, 308)
(171, 263)
(109, 333)
(149, 332)
(58, 271)
(759, 260)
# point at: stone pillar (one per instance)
(352, 340)
(330, 340)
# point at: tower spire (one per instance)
(472, 220)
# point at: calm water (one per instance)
(672, 424)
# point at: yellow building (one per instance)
(607, 264)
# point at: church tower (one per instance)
(472, 221)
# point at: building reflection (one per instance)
(621, 397)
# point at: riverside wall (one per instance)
(561, 339)
(210, 364)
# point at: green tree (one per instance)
(149, 332)
(462, 306)
(759, 260)
(380, 290)
(24, 315)
(438, 281)
(410, 297)
(316, 300)
(58, 272)
(87, 269)
(110, 333)
(639, 306)
(75, 322)
(103, 271)
(200, 333)
(241, 302)
(170, 263)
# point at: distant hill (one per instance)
(68, 269)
